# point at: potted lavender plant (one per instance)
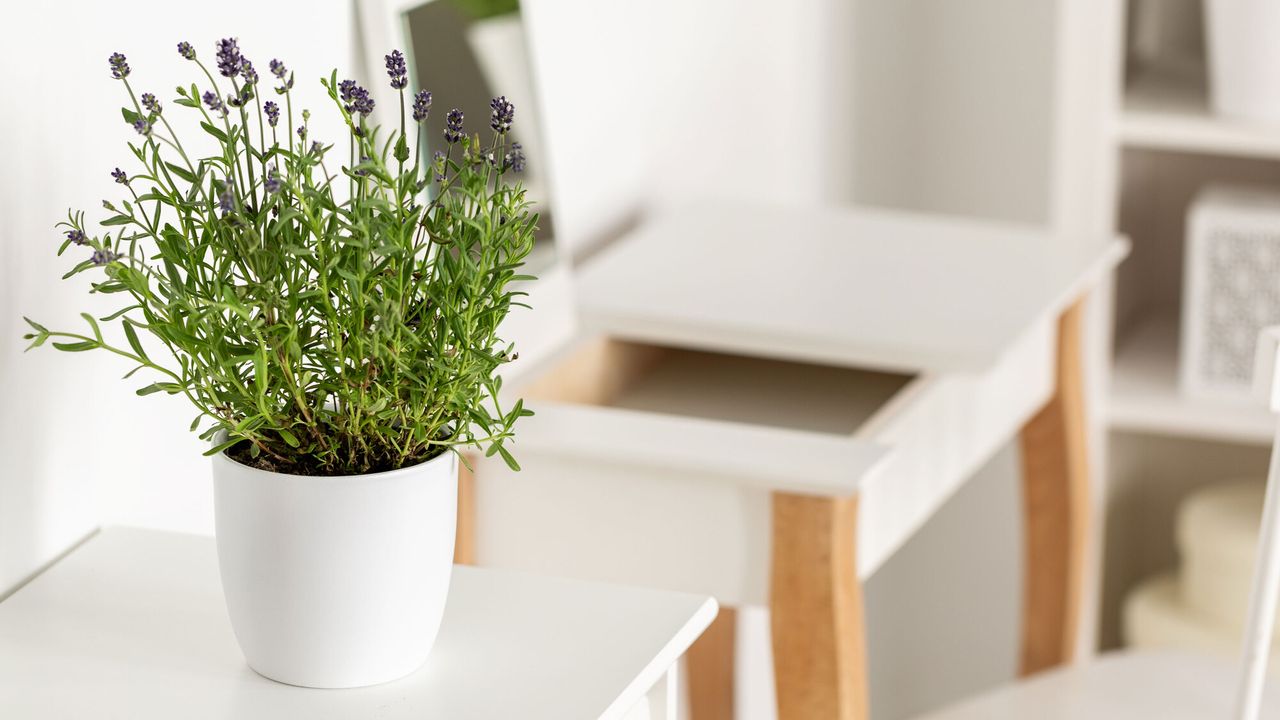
(334, 320)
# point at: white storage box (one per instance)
(1232, 288)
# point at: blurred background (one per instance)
(1157, 119)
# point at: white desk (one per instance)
(132, 625)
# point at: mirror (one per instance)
(466, 52)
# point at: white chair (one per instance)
(1166, 685)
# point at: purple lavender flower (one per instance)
(453, 126)
(272, 183)
(120, 176)
(515, 158)
(214, 102)
(142, 126)
(119, 67)
(503, 113)
(150, 103)
(247, 73)
(356, 98)
(77, 237)
(316, 148)
(302, 133)
(421, 105)
(278, 69)
(186, 51)
(363, 159)
(229, 58)
(104, 256)
(227, 197)
(396, 70)
(273, 112)
(438, 161)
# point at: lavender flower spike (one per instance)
(421, 105)
(247, 73)
(516, 158)
(273, 112)
(119, 66)
(278, 69)
(142, 126)
(150, 104)
(503, 113)
(120, 176)
(355, 98)
(214, 103)
(229, 58)
(227, 197)
(103, 257)
(77, 237)
(396, 70)
(186, 51)
(453, 126)
(272, 183)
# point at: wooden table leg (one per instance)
(709, 666)
(816, 610)
(464, 543)
(1055, 477)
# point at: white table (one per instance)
(765, 403)
(132, 625)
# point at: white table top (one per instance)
(855, 287)
(132, 625)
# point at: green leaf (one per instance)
(224, 446)
(181, 172)
(76, 346)
(288, 436)
(221, 136)
(117, 220)
(168, 387)
(132, 336)
(130, 117)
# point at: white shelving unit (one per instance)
(1166, 143)
(1145, 396)
(1170, 111)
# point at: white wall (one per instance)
(78, 448)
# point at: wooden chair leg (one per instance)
(464, 543)
(819, 655)
(710, 666)
(1055, 477)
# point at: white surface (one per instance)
(1123, 686)
(132, 625)
(336, 582)
(1155, 617)
(1171, 113)
(1145, 396)
(1243, 58)
(1217, 535)
(851, 287)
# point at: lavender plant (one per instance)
(322, 322)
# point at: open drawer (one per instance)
(681, 449)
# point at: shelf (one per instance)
(1145, 396)
(1168, 111)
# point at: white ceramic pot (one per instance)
(336, 582)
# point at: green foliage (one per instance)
(329, 323)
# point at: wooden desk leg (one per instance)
(709, 667)
(464, 543)
(1055, 481)
(819, 655)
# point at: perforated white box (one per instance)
(1231, 288)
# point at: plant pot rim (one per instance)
(222, 457)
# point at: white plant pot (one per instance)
(1244, 58)
(335, 582)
